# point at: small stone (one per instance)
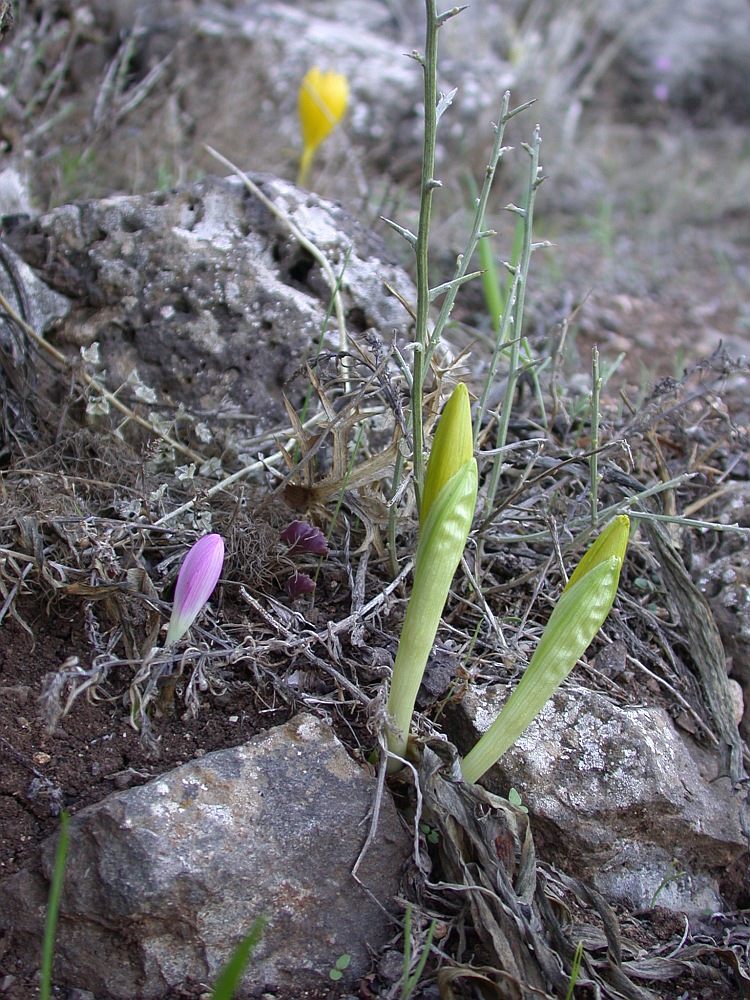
(391, 966)
(738, 699)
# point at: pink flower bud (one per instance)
(196, 581)
(303, 537)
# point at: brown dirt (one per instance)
(94, 750)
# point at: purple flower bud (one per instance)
(196, 580)
(303, 537)
(298, 585)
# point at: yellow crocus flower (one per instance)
(323, 98)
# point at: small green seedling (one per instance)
(671, 875)
(575, 970)
(342, 962)
(514, 797)
(448, 501)
(577, 617)
(430, 833)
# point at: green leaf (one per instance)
(613, 541)
(514, 798)
(490, 283)
(343, 961)
(53, 907)
(441, 542)
(576, 619)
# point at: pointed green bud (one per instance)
(577, 617)
(613, 541)
(452, 446)
(442, 540)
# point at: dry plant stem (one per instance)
(623, 506)
(689, 522)
(686, 706)
(514, 370)
(94, 383)
(303, 241)
(277, 457)
(375, 811)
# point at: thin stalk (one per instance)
(622, 506)
(428, 63)
(344, 485)
(477, 232)
(514, 370)
(575, 971)
(409, 982)
(596, 388)
(392, 514)
(501, 345)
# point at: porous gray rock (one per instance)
(202, 297)
(617, 797)
(723, 575)
(163, 880)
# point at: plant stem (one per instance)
(476, 234)
(596, 389)
(514, 369)
(428, 185)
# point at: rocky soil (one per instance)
(188, 325)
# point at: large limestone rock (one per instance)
(202, 297)
(163, 880)
(617, 797)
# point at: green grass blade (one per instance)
(411, 983)
(490, 282)
(574, 972)
(232, 973)
(53, 908)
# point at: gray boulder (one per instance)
(164, 879)
(202, 297)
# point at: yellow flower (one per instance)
(323, 98)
